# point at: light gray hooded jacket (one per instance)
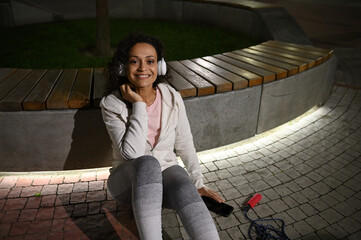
(128, 128)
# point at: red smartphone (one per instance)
(222, 209)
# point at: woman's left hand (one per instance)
(204, 191)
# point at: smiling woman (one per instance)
(147, 124)
(69, 44)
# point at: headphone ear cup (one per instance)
(162, 67)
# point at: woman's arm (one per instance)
(131, 140)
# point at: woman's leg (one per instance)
(180, 194)
(145, 185)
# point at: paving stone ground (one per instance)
(308, 172)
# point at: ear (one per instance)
(162, 67)
(122, 71)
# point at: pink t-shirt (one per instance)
(154, 119)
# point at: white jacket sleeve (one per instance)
(184, 146)
(128, 137)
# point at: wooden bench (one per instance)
(39, 89)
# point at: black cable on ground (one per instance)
(263, 231)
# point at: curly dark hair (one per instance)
(121, 56)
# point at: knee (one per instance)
(147, 170)
(179, 190)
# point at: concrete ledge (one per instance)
(262, 21)
(286, 99)
(53, 140)
(224, 118)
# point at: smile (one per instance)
(143, 76)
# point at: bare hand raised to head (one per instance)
(129, 95)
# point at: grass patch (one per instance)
(62, 44)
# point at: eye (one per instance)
(133, 62)
(151, 62)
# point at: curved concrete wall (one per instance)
(261, 23)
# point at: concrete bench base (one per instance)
(289, 98)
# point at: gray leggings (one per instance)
(142, 184)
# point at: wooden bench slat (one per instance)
(321, 57)
(14, 79)
(302, 66)
(13, 101)
(220, 83)
(182, 85)
(238, 82)
(310, 62)
(298, 47)
(6, 72)
(291, 69)
(59, 97)
(253, 79)
(266, 75)
(37, 97)
(280, 72)
(318, 60)
(239, 4)
(80, 93)
(100, 82)
(328, 52)
(203, 87)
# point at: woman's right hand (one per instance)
(129, 95)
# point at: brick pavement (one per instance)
(308, 172)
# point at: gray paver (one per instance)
(296, 213)
(303, 228)
(316, 222)
(278, 205)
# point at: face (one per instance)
(142, 65)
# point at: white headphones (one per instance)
(162, 68)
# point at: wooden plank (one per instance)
(13, 101)
(318, 60)
(250, 5)
(280, 72)
(253, 79)
(328, 52)
(80, 94)
(203, 87)
(302, 66)
(59, 97)
(182, 85)
(266, 75)
(6, 72)
(291, 69)
(220, 83)
(310, 62)
(37, 97)
(237, 81)
(100, 82)
(320, 57)
(14, 79)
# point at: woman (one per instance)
(146, 121)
